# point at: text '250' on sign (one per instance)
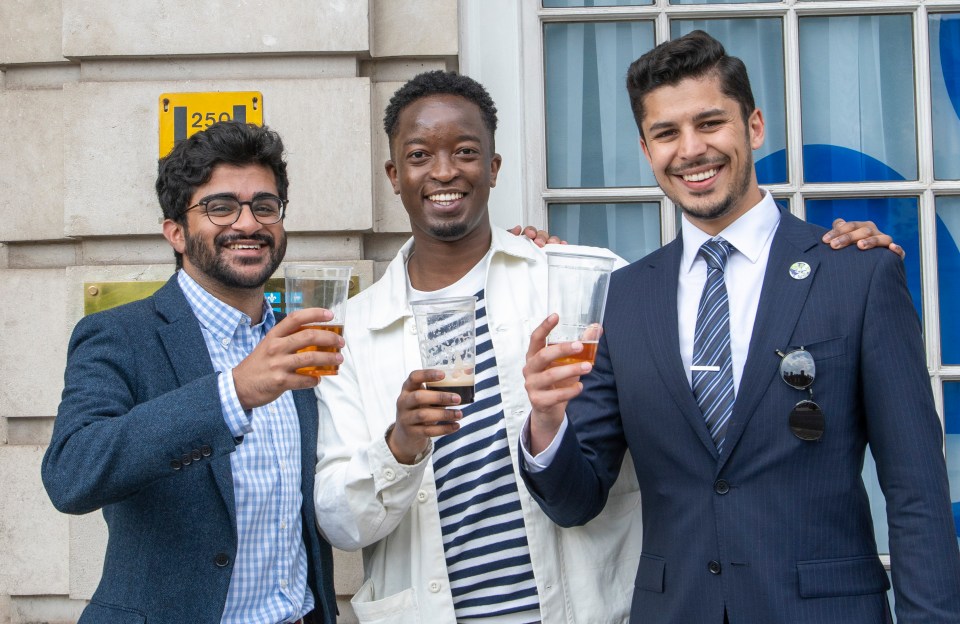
(183, 114)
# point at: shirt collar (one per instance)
(217, 317)
(748, 234)
(389, 296)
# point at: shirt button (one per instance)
(283, 582)
(225, 342)
(714, 567)
(434, 586)
(422, 496)
(283, 465)
(389, 474)
(283, 524)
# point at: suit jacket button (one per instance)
(185, 459)
(238, 439)
(714, 567)
(222, 560)
(721, 486)
(195, 454)
(175, 464)
(206, 451)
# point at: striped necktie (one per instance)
(713, 366)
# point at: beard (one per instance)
(448, 231)
(211, 262)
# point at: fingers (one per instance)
(295, 320)
(422, 413)
(864, 233)
(538, 339)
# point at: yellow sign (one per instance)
(99, 296)
(183, 114)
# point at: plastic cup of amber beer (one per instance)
(446, 331)
(577, 281)
(314, 286)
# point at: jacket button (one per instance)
(206, 451)
(721, 486)
(185, 459)
(434, 586)
(175, 464)
(714, 567)
(221, 560)
(389, 474)
(238, 439)
(195, 454)
(422, 496)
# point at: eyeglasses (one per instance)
(798, 370)
(225, 210)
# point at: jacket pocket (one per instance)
(824, 349)
(849, 576)
(650, 573)
(99, 613)
(399, 608)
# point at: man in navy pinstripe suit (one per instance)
(759, 516)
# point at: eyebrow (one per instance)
(462, 137)
(713, 112)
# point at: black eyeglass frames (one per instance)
(225, 209)
(798, 370)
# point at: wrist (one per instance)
(399, 450)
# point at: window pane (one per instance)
(948, 272)
(718, 1)
(631, 230)
(592, 139)
(951, 418)
(945, 88)
(549, 4)
(759, 44)
(897, 216)
(857, 100)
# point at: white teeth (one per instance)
(445, 197)
(242, 246)
(699, 177)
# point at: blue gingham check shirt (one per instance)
(269, 582)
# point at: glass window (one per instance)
(631, 230)
(948, 276)
(897, 216)
(945, 94)
(718, 1)
(759, 44)
(857, 98)
(593, 3)
(951, 417)
(592, 138)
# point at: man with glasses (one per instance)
(183, 418)
(745, 367)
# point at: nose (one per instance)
(444, 168)
(245, 221)
(691, 145)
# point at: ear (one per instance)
(391, 168)
(495, 163)
(175, 235)
(756, 128)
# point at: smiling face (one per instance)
(443, 165)
(701, 151)
(231, 260)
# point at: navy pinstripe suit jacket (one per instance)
(775, 529)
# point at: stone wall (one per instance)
(79, 98)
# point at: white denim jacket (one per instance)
(366, 499)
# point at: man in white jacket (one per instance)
(448, 531)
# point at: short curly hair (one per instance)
(439, 82)
(191, 162)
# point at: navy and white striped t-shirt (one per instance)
(485, 543)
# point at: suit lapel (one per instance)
(663, 333)
(781, 301)
(190, 360)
